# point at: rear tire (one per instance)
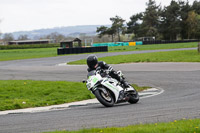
(107, 101)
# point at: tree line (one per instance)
(179, 20)
(55, 37)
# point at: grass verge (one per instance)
(153, 47)
(177, 126)
(172, 56)
(28, 46)
(16, 54)
(18, 94)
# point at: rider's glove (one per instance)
(98, 68)
(110, 69)
(120, 74)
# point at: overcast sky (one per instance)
(24, 15)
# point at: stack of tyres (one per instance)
(60, 51)
(87, 50)
(92, 49)
(66, 51)
(125, 44)
(84, 50)
(95, 49)
(132, 43)
(74, 51)
(99, 49)
(139, 43)
(81, 50)
(105, 49)
(102, 49)
(69, 51)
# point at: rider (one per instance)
(93, 64)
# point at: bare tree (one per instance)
(0, 31)
(8, 37)
(56, 37)
(23, 37)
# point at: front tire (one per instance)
(106, 100)
(133, 97)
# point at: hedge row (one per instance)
(27, 46)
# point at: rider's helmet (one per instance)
(92, 61)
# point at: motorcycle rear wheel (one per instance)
(106, 99)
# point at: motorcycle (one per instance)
(108, 90)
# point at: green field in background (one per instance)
(16, 54)
(171, 56)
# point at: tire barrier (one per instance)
(79, 50)
(142, 43)
(167, 41)
(111, 44)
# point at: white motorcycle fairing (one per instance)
(112, 84)
(109, 91)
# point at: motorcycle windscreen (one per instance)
(91, 73)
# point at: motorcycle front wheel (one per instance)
(104, 96)
(133, 97)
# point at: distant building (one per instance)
(70, 43)
(21, 42)
(145, 39)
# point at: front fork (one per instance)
(103, 90)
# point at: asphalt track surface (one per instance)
(181, 82)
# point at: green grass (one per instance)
(27, 53)
(17, 54)
(153, 47)
(172, 56)
(177, 126)
(28, 46)
(140, 88)
(17, 94)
